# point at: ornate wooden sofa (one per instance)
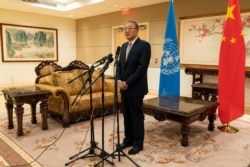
(71, 100)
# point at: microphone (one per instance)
(106, 65)
(110, 59)
(102, 60)
(117, 52)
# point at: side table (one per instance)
(26, 94)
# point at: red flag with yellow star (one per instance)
(231, 78)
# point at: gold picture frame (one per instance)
(28, 44)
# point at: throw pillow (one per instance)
(62, 79)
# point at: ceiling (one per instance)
(74, 9)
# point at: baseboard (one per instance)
(247, 110)
(153, 93)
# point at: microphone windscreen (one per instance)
(118, 50)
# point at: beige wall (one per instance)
(94, 34)
(23, 72)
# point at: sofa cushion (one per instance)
(61, 78)
(97, 86)
(83, 103)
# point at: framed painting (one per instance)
(200, 39)
(28, 44)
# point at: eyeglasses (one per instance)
(129, 28)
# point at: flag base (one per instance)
(227, 128)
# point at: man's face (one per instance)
(130, 31)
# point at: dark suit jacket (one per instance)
(134, 70)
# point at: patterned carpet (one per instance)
(162, 144)
(11, 154)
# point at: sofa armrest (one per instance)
(59, 92)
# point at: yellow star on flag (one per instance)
(242, 33)
(230, 12)
(233, 40)
(223, 38)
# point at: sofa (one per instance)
(78, 92)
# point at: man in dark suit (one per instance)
(131, 76)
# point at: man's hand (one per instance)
(122, 85)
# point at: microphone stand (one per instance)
(104, 154)
(93, 144)
(90, 71)
(119, 149)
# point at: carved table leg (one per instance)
(184, 132)
(211, 119)
(9, 107)
(19, 114)
(44, 112)
(33, 112)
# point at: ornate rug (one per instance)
(13, 155)
(161, 147)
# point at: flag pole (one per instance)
(228, 128)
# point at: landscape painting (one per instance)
(26, 43)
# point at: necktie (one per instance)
(128, 49)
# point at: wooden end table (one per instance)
(184, 110)
(18, 96)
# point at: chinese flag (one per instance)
(231, 78)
